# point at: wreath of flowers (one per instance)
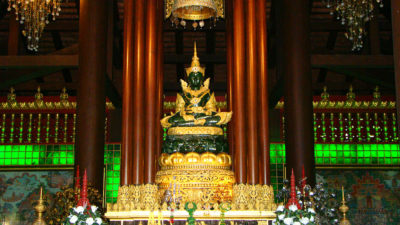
(294, 216)
(84, 215)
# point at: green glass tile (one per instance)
(70, 154)
(35, 154)
(280, 153)
(117, 167)
(109, 180)
(395, 154)
(117, 154)
(21, 162)
(347, 161)
(353, 147)
(374, 153)
(367, 147)
(115, 194)
(8, 155)
(340, 160)
(117, 160)
(8, 148)
(117, 147)
(360, 147)
(386, 146)
(367, 154)
(353, 153)
(326, 160)
(395, 161)
(63, 154)
(272, 147)
(70, 161)
(70, 147)
(374, 160)
(21, 155)
(381, 154)
(29, 148)
(332, 147)
(14, 161)
(14, 155)
(353, 160)
(35, 161)
(272, 154)
(63, 161)
(116, 180)
(387, 154)
(360, 153)
(346, 154)
(7, 162)
(346, 147)
(339, 147)
(2, 147)
(56, 147)
(14, 148)
(381, 161)
(319, 154)
(320, 161)
(340, 153)
(63, 147)
(388, 161)
(374, 147)
(47, 161)
(108, 193)
(42, 147)
(325, 147)
(333, 161)
(360, 161)
(2, 163)
(2, 154)
(326, 153)
(28, 161)
(394, 147)
(280, 160)
(273, 160)
(318, 147)
(381, 147)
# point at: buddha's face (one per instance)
(195, 80)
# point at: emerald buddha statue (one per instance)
(196, 125)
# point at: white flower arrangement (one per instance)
(85, 216)
(294, 216)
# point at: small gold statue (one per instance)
(344, 208)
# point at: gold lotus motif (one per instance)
(193, 158)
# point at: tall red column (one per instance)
(91, 94)
(238, 101)
(151, 92)
(127, 95)
(160, 76)
(229, 69)
(251, 97)
(262, 62)
(298, 90)
(396, 52)
(138, 86)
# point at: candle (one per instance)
(41, 193)
(342, 193)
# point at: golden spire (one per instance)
(195, 65)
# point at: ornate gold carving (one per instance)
(195, 130)
(350, 102)
(149, 197)
(219, 4)
(253, 197)
(40, 208)
(204, 178)
(40, 104)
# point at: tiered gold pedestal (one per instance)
(196, 177)
(205, 179)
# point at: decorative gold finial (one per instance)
(344, 208)
(376, 94)
(195, 65)
(325, 95)
(64, 95)
(351, 96)
(40, 208)
(12, 97)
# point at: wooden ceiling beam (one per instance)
(59, 45)
(352, 61)
(41, 61)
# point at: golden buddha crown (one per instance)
(195, 66)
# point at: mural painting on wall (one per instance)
(375, 194)
(19, 190)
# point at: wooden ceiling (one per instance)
(334, 64)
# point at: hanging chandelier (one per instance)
(35, 14)
(354, 14)
(196, 12)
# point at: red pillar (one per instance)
(138, 86)
(251, 97)
(238, 101)
(127, 96)
(262, 62)
(151, 92)
(160, 76)
(91, 94)
(298, 89)
(396, 52)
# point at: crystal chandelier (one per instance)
(354, 14)
(35, 15)
(181, 12)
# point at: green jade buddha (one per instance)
(196, 124)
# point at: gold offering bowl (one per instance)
(195, 176)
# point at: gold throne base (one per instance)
(197, 177)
